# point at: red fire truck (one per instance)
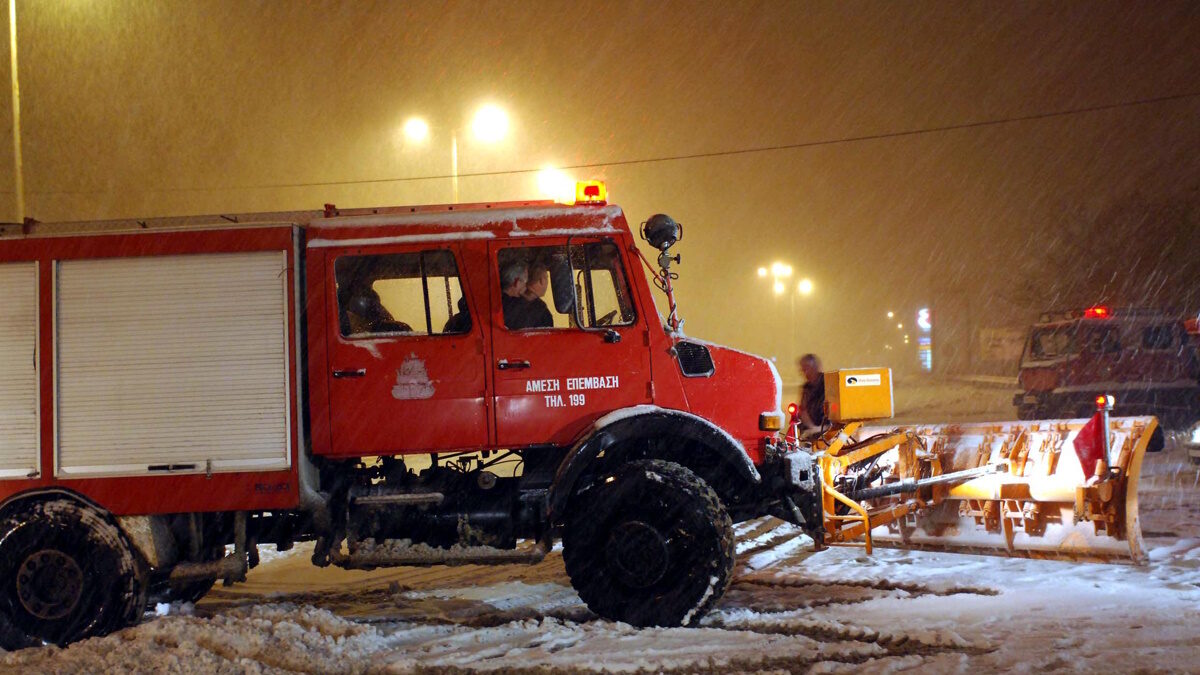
(1143, 356)
(365, 379)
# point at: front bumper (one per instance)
(793, 487)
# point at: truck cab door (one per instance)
(406, 352)
(572, 350)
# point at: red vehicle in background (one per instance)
(1144, 357)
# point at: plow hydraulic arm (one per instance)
(909, 485)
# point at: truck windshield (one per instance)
(589, 273)
(1049, 343)
(1053, 342)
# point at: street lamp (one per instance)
(18, 164)
(778, 273)
(556, 184)
(416, 130)
(489, 125)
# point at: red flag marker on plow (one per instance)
(1091, 444)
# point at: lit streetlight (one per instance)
(891, 315)
(416, 130)
(899, 326)
(780, 274)
(489, 125)
(556, 184)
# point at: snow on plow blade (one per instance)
(1010, 488)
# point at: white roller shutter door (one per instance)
(18, 370)
(173, 361)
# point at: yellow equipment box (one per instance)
(855, 394)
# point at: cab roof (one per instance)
(475, 221)
(334, 226)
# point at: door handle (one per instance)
(339, 374)
(505, 364)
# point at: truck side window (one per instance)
(1103, 340)
(1158, 337)
(590, 273)
(400, 294)
(600, 285)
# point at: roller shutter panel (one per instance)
(18, 369)
(172, 361)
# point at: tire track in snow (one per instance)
(895, 643)
(913, 589)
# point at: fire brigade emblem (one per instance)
(412, 380)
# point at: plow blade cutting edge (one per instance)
(1010, 488)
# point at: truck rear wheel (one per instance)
(649, 544)
(65, 574)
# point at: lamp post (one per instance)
(780, 274)
(489, 125)
(18, 168)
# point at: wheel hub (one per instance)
(49, 584)
(638, 553)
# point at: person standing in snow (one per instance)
(812, 393)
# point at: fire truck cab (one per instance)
(1144, 357)
(403, 386)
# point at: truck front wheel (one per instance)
(649, 544)
(66, 573)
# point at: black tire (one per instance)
(649, 544)
(66, 574)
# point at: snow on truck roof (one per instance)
(333, 226)
(366, 226)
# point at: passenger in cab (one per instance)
(513, 279)
(535, 313)
(461, 321)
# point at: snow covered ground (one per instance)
(787, 610)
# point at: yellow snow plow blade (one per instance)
(1010, 488)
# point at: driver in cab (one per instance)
(523, 286)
